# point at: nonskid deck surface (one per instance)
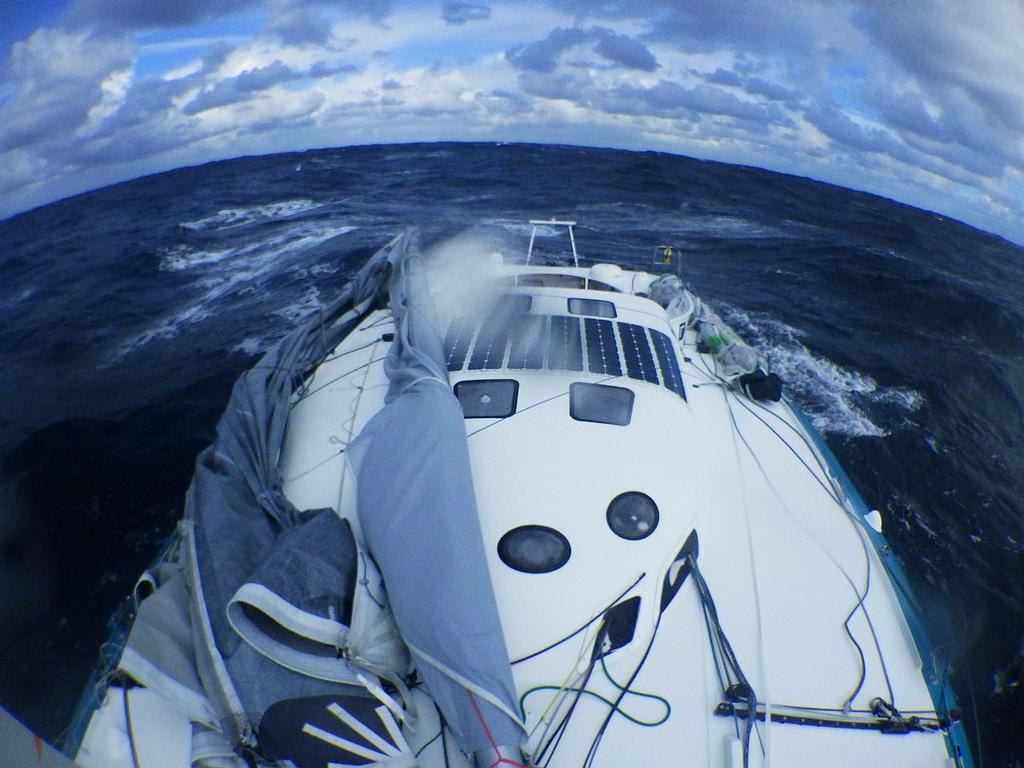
(804, 608)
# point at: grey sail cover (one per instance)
(418, 515)
(241, 530)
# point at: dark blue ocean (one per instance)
(127, 313)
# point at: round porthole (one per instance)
(534, 549)
(633, 515)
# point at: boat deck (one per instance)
(800, 592)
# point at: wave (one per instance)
(180, 257)
(308, 304)
(837, 399)
(233, 272)
(520, 227)
(227, 218)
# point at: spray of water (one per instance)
(465, 277)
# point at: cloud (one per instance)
(616, 49)
(920, 102)
(149, 14)
(55, 78)
(460, 13)
(374, 10)
(251, 81)
(301, 25)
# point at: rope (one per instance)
(834, 495)
(594, 694)
(573, 634)
(490, 737)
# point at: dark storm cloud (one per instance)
(545, 55)
(460, 13)
(142, 140)
(667, 97)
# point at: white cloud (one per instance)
(924, 103)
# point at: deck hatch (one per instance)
(487, 398)
(592, 308)
(601, 404)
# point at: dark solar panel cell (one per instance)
(491, 342)
(565, 348)
(664, 348)
(529, 338)
(456, 343)
(602, 351)
(637, 352)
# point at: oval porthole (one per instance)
(633, 515)
(534, 549)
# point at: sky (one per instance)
(921, 101)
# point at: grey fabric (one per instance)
(159, 651)
(235, 508)
(309, 562)
(418, 515)
(295, 607)
(262, 682)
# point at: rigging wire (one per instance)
(596, 743)
(596, 616)
(833, 493)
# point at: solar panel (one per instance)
(516, 339)
(565, 348)
(664, 348)
(602, 351)
(529, 338)
(491, 342)
(637, 352)
(456, 342)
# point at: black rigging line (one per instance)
(741, 690)
(556, 737)
(597, 616)
(862, 596)
(623, 690)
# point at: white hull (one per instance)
(796, 600)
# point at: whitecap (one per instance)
(237, 217)
(239, 272)
(305, 307)
(250, 345)
(836, 398)
(180, 257)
